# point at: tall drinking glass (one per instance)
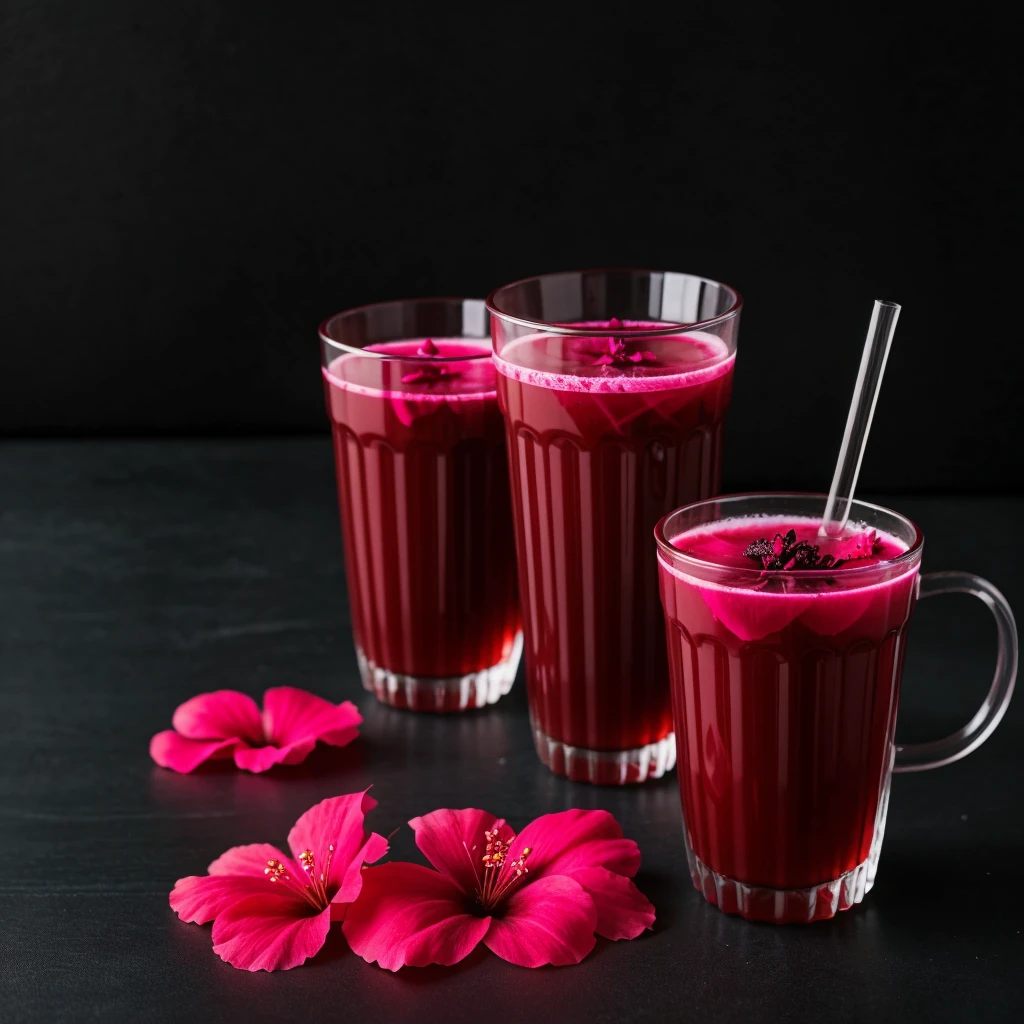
(786, 651)
(426, 519)
(614, 386)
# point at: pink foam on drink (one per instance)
(827, 601)
(418, 370)
(569, 363)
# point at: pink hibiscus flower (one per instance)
(226, 723)
(271, 912)
(536, 898)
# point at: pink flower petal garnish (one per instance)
(246, 860)
(260, 759)
(340, 817)
(615, 352)
(291, 716)
(536, 898)
(171, 750)
(410, 916)
(265, 933)
(220, 715)
(566, 841)
(550, 921)
(588, 846)
(235, 876)
(623, 911)
(451, 841)
(271, 911)
(226, 723)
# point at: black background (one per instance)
(189, 188)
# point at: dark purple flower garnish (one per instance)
(785, 552)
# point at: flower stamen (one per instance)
(469, 855)
(313, 891)
(497, 881)
(517, 868)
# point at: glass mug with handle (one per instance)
(785, 656)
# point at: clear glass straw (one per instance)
(858, 423)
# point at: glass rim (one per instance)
(433, 300)
(670, 552)
(665, 327)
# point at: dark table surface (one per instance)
(136, 574)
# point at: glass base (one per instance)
(784, 906)
(606, 767)
(441, 693)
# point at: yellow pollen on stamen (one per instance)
(495, 885)
(313, 891)
(275, 870)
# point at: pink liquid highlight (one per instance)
(784, 691)
(597, 454)
(425, 508)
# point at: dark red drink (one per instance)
(785, 665)
(426, 520)
(601, 445)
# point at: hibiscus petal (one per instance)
(235, 875)
(170, 750)
(410, 916)
(564, 842)
(547, 921)
(249, 860)
(200, 898)
(623, 911)
(291, 715)
(261, 934)
(352, 882)
(260, 759)
(218, 715)
(453, 841)
(337, 820)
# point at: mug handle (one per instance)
(919, 757)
